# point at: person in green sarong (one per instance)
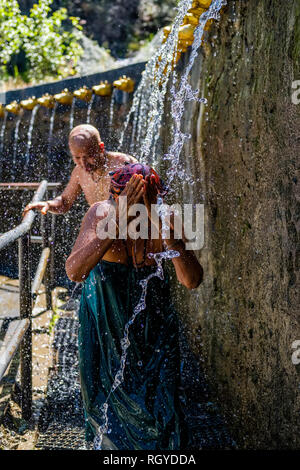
(144, 411)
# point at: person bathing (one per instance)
(144, 411)
(90, 175)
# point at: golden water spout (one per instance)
(202, 4)
(29, 104)
(103, 89)
(166, 31)
(2, 111)
(186, 33)
(191, 18)
(125, 84)
(13, 107)
(46, 100)
(83, 93)
(64, 97)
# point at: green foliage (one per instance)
(42, 44)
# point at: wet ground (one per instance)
(58, 421)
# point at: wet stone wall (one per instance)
(243, 155)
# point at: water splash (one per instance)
(29, 135)
(125, 343)
(185, 93)
(72, 114)
(16, 138)
(149, 98)
(51, 128)
(89, 109)
(2, 133)
(111, 109)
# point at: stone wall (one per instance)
(244, 150)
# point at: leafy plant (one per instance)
(44, 43)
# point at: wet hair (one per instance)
(121, 176)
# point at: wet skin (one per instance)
(89, 176)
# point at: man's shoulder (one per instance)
(123, 158)
(98, 209)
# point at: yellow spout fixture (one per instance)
(166, 32)
(29, 104)
(13, 107)
(103, 89)
(125, 84)
(186, 33)
(46, 100)
(2, 111)
(84, 93)
(192, 18)
(202, 4)
(64, 97)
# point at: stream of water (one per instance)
(89, 109)
(16, 139)
(111, 109)
(29, 135)
(147, 110)
(2, 133)
(72, 114)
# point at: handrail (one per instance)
(14, 341)
(22, 233)
(36, 284)
(26, 186)
(12, 235)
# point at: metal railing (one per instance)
(22, 334)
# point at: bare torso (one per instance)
(96, 188)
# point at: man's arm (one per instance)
(89, 248)
(63, 203)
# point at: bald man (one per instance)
(91, 173)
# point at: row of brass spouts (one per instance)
(66, 97)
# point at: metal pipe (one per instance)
(45, 237)
(42, 266)
(26, 186)
(11, 345)
(25, 225)
(25, 313)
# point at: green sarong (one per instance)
(144, 411)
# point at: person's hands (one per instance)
(134, 191)
(42, 206)
(150, 194)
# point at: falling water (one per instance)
(16, 138)
(88, 114)
(72, 114)
(51, 128)
(3, 127)
(185, 93)
(111, 109)
(29, 136)
(125, 343)
(147, 111)
(2, 133)
(149, 98)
